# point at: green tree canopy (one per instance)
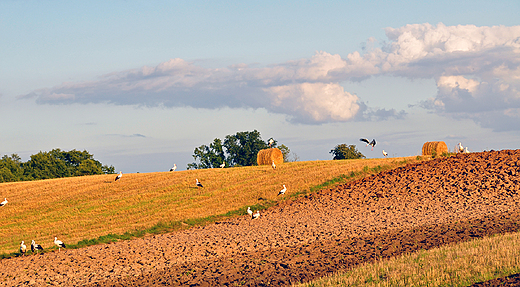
(211, 156)
(11, 168)
(243, 147)
(344, 151)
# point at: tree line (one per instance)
(53, 164)
(239, 149)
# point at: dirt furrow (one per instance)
(419, 206)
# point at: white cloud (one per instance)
(317, 102)
(477, 70)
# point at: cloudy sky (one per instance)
(140, 84)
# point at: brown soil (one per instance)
(513, 280)
(419, 206)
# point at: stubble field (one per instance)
(418, 206)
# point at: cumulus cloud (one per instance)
(314, 102)
(300, 89)
(477, 71)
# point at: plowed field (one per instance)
(418, 206)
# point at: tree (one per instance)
(88, 167)
(11, 168)
(208, 157)
(286, 152)
(108, 169)
(344, 151)
(243, 147)
(45, 165)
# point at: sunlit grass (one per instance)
(97, 208)
(462, 264)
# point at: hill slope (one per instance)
(87, 207)
(419, 206)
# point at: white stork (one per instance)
(250, 212)
(198, 183)
(223, 165)
(3, 202)
(273, 165)
(271, 142)
(466, 150)
(59, 243)
(173, 168)
(460, 148)
(256, 215)
(385, 153)
(372, 143)
(35, 247)
(23, 248)
(119, 175)
(281, 192)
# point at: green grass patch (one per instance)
(461, 264)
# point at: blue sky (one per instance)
(140, 84)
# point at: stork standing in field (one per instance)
(284, 189)
(273, 165)
(119, 175)
(385, 153)
(256, 215)
(250, 212)
(460, 148)
(3, 202)
(173, 168)
(198, 183)
(23, 248)
(223, 165)
(35, 247)
(59, 243)
(371, 143)
(466, 150)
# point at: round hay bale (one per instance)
(434, 148)
(267, 156)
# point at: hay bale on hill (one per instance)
(434, 148)
(267, 156)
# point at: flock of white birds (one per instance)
(37, 247)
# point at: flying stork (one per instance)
(35, 247)
(173, 168)
(281, 192)
(119, 175)
(198, 183)
(3, 202)
(59, 243)
(372, 143)
(271, 142)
